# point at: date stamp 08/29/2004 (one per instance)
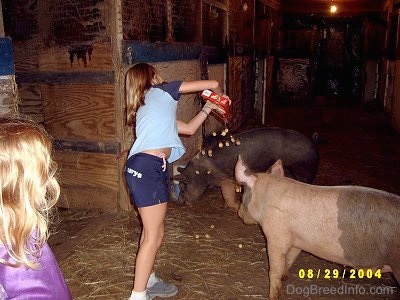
(344, 289)
(330, 274)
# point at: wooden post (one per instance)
(2, 33)
(170, 28)
(119, 86)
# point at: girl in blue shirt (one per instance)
(151, 107)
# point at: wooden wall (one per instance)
(77, 106)
(72, 93)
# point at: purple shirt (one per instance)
(47, 282)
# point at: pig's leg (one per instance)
(290, 258)
(279, 245)
(276, 272)
(229, 194)
(277, 262)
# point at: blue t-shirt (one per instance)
(156, 121)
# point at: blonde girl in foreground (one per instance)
(28, 268)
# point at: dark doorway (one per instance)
(323, 59)
(338, 70)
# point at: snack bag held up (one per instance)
(221, 101)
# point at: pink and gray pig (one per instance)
(351, 225)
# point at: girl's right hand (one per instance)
(214, 106)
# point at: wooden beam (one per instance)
(136, 51)
(87, 146)
(87, 170)
(122, 132)
(95, 77)
(2, 33)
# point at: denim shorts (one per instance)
(147, 182)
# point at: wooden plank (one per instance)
(89, 198)
(88, 170)
(87, 146)
(80, 111)
(30, 101)
(63, 250)
(136, 51)
(98, 58)
(33, 55)
(116, 32)
(235, 91)
(2, 33)
(94, 77)
(26, 55)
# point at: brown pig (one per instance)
(350, 225)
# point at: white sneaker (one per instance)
(161, 289)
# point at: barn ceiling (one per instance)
(344, 7)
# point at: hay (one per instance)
(209, 267)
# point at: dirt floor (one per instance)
(209, 253)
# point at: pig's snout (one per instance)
(245, 217)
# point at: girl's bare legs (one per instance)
(153, 218)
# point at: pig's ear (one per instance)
(277, 169)
(243, 174)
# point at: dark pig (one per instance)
(350, 225)
(261, 147)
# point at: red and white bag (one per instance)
(221, 101)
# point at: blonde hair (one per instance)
(139, 79)
(28, 189)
